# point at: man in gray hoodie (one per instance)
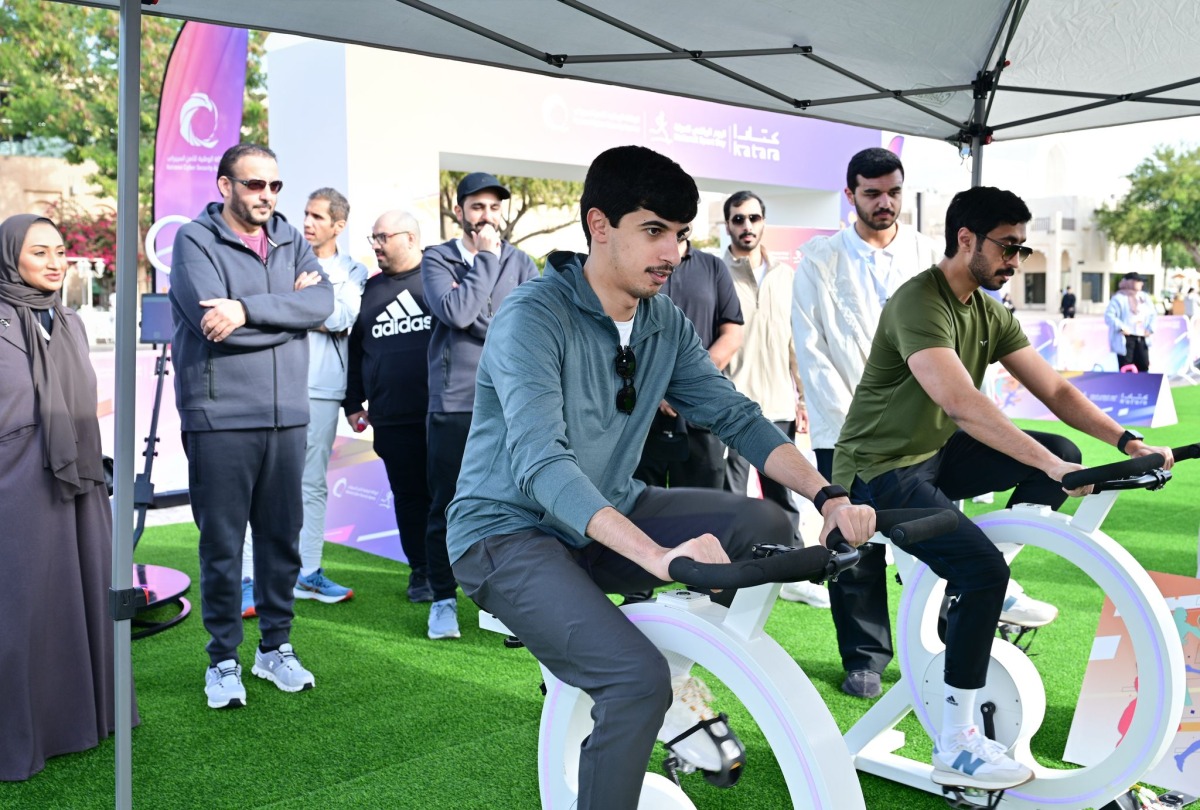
(466, 280)
(245, 290)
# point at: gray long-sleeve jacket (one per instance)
(258, 376)
(463, 300)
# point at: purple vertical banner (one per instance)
(199, 117)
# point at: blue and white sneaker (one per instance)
(443, 619)
(320, 587)
(974, 761)
(248, 611)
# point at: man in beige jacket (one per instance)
(764, 369)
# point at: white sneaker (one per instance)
(1023, 610)
(810, 593)
(282, 668)
(689, 707)
(223, 686)
(974, 761)
(987, 497)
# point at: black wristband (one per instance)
(1126, 438)
(825, 493)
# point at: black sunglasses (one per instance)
(276, 186)
(738, 219)
(626, 365)
(1010, 249)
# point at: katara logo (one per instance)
(196, 103)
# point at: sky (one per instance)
(1094, 162)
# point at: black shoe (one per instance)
(419, 589)
(862, 683)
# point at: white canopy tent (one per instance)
(964, 72)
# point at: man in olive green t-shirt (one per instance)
(919, 433)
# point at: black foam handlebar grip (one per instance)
(1113, 472)
(1188, 451)
(801, 564)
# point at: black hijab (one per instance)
(60, 370)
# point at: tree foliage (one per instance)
(557, 199)
(60, 65)
(1161, 208)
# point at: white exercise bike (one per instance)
(1012, 706)
(730, 643)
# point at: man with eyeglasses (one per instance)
(246, 289)
(389, 372)
(548, 518)
(325, 216)
(839, 291)
(920, 433)
(466, 281)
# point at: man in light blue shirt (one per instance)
(548, 518)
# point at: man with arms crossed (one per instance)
(245, 290)
(919, 433)
(548, 518)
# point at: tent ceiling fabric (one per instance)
(1100, 50)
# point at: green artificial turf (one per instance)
(400, 721)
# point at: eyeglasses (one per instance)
(276, 186)
(381, 238)
(740, 219)
(1010, 249)
(626, 365)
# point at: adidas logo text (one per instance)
(401, 317)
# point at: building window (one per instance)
(1091, 287)
(1035, 288)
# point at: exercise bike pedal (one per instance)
(964, 798)
(724, 743)
(1016, 634)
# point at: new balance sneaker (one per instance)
(248, 611)
(320, 587)
(419, 589)
(443, 619)
(223, 686)
(974, 761)
(1023, 610)
(282, 668)
(810, 593)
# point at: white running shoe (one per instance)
(974, 761)
(689, 708)
(1023, 610)
(282, 668)
(810, 593)
(223, 686)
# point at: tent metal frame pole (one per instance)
(128, 142)
(978, 137)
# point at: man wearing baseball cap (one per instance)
(1130, 317)
(466, 280)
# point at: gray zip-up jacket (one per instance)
(463, 299)
(258, 376)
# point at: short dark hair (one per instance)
(872, 163)
(740, 198)
(626, 178)
(235, 153)
(980, 210)
(339, 206)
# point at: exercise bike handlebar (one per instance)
(1143, 472)
(785, 564)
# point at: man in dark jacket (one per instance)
(389, 370)
(245, 290)
(466, 280)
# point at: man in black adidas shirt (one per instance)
(389, 370)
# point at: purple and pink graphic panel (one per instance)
(1130, 399)
(199, 117)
